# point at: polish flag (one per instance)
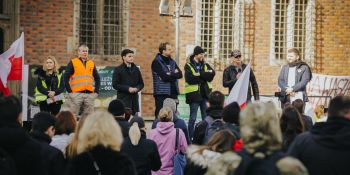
(11, 64)
(240, 89)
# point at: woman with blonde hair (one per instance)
(165, 137)
(99, 142)
(50, 86)
(142, 151)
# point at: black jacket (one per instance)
(307, 122)
(145, 155)
(25, 151)
(51, 82)
(229, 80)
(70, 71)
(201, 127)
(107, 160)
(172, 78)
(124, 125)
(123, 79)
(201, 80)
(325, 149)
(54, 163)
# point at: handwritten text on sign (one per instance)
(327, 85)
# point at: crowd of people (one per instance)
(261, 138)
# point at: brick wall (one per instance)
(49, 25)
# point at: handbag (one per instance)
(179, 158)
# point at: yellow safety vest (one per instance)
(42, 97)
(195, 87)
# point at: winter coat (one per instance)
(165, 79)
(123, 79)
(302, 77)
(178, 123)
(51, 82)
(243, 163)
(107, 160)
(307, 122)
(25, 151)
(165, 136)
(201, 127)
(61, 141)
(145, 155)
(201, 80)
(54, 162)
(124, 125)
(230, 79)
(198, 161)
(325, 149)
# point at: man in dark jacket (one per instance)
(198, 77)
(325, 149)
(42, 131)
(234, 71)
(214, 114)
(165, 74)
(127, 80)
(294, 78)
(117, 109)
(25, 152)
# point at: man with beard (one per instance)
(293, 78)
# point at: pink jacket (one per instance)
(165, 135)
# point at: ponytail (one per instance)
(134, 134)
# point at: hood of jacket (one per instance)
(165, 127)
(334, 133)
(41, 137)
(12, 136)
(215, 112)
(202, 158)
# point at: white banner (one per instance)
(324, 87)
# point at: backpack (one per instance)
(7, 165)
(212, 128)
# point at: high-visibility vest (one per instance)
(82, 79)
(42, 97)
(195, 87)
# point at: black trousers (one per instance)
(52, 108)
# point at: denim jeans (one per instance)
(193, 115)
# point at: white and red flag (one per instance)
(11, 64)
(240, 89)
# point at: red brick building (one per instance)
(262, 29)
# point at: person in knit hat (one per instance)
(234, 71)
(117, 109)
(178, 122)
(198, 78)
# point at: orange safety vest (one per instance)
(82, 79)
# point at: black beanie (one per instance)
(116, 108)
(198, 50)
(230, 114)
(42, 121)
